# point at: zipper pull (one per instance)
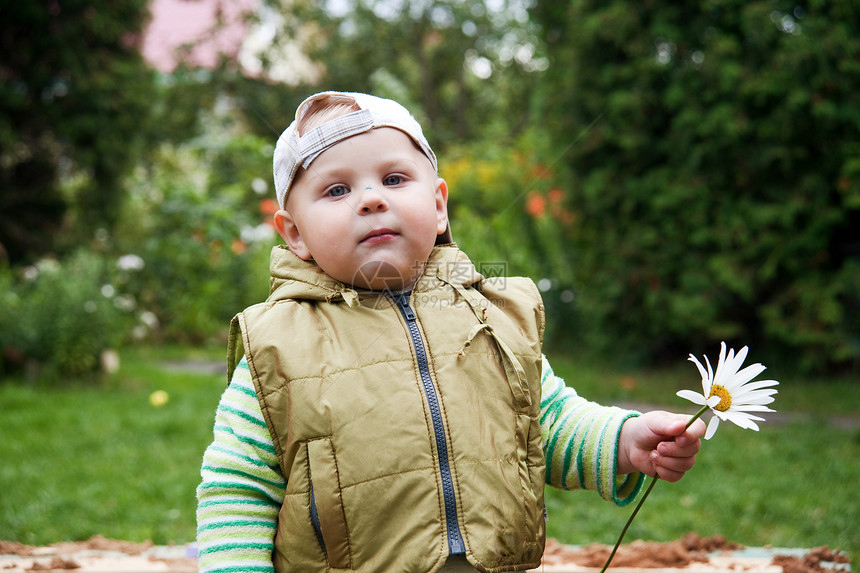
(403, 300)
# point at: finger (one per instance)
(671, 468)
(678, 449)
(696, 430)
(666, 424)
(691, 436)
(666, 474)
(674, 463)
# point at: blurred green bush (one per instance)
(59, 318)
(199, 216)
(190, 250)
(713, 157)
(508, 214)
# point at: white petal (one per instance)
(735, 361)
(741, 393)
(744, 376)
(751, 408)
(741, 356)
(728, 373)
(744, 416)
(712, 427)
(744, 420)
(721, 365)
(698, 364)
(721, 415)
(759, 384)
(693, 397)
(753, 399)
(713, 401)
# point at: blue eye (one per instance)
(338, 191)
(392, 180)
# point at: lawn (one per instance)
(84, 460)
(793, 484)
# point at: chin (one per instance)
(382, 275)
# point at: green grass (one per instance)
(793, 484)
(838, 396)
(85, 460)
(789, 486)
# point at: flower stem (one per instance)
(644, 497)
(696, 416)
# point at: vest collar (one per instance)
(294, 278)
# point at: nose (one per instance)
(371, 200)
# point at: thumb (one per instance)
(668, 424)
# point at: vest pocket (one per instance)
(533, 513)
(327, 514)
(315, 522)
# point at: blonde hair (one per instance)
(323, 109)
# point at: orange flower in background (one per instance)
(540, 171)
(239, 246)
(536, 204)
(268, 207)
(556, 199)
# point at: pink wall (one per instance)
(176, 23)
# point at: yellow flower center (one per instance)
(725, 397)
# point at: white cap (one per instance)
(293, 150)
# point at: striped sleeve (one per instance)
(242, 486)
(580, 441)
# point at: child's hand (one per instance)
(656, 442)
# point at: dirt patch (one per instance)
(640, 554)
(692, 553)
(96, 555)
(55, 564)
(15, 548)
(95, 543)
(816, 561)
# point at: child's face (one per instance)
(367, 210)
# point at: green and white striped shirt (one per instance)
(242, 486)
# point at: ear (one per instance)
(441, 206)
(289, 231)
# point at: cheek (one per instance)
(325, 235)
(427, 218)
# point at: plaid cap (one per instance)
(293, 151)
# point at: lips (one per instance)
(378, 235)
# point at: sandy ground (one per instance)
(97, 555)
(692, 554)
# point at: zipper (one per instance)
(455, 538)
(315, 521)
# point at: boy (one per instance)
(389, 408)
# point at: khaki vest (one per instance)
(403, 430)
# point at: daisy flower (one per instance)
(730, 392)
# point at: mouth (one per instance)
(378, 235)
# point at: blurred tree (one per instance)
(715, 162)
(509, 215)
(464, 67)
(74, 104)
(197, 219)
